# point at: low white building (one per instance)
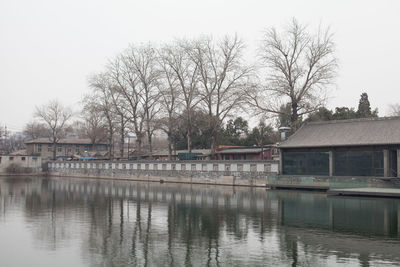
(20, 163)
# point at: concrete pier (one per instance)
(366, 192)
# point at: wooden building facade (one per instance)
(362, 147)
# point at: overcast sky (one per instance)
(48, 48)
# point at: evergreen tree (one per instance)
(322, 114)
(364, 108)
(261, 135)
(344, 113)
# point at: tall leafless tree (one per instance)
(34, 130)
(123, 73)
(169, 94)
(183, 75)
(103, 87)
(93, 122)
(55, 116)
(223, 77)
(143, 60)
(122, 118)
(299, 68)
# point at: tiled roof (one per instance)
(240, 150)
(165, 152)
(359, 132)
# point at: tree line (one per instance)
(194, 88)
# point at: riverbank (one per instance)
(232, 173)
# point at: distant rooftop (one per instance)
(357, 132)
(165, 152)
(72, 141)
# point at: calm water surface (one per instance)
(80, 222)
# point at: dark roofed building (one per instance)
(246, 153)
(362, 147)
(65, 147)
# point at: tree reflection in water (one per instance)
(129, 223)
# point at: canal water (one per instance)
(82, 222)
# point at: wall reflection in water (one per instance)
(128, 223)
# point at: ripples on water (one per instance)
(78, 222)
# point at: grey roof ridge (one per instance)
(352, 120)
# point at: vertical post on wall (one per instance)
(331, 163)
(280, 162)
(386, 163)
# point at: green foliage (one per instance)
(323, 114)
(234, 133)
(262, 135)
(200, 132)
(345, 113)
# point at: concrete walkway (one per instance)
(366, 191)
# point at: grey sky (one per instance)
(48, 48)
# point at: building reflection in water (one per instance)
(119, 223)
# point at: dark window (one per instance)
(358, 163)
(39, 148)
(237, 156)
(59, 149)
(22, 158)
(305, 163)
(11, 158)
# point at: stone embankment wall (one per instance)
(253, 173)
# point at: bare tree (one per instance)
(299, 66)
(102, 87)
(394, 110)
(223, 77)
(93, 122)
(34, 130)
(169, 97)
(55, 116)
(122, 118)
(126, 80)
(178, 57)
(143, 60)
